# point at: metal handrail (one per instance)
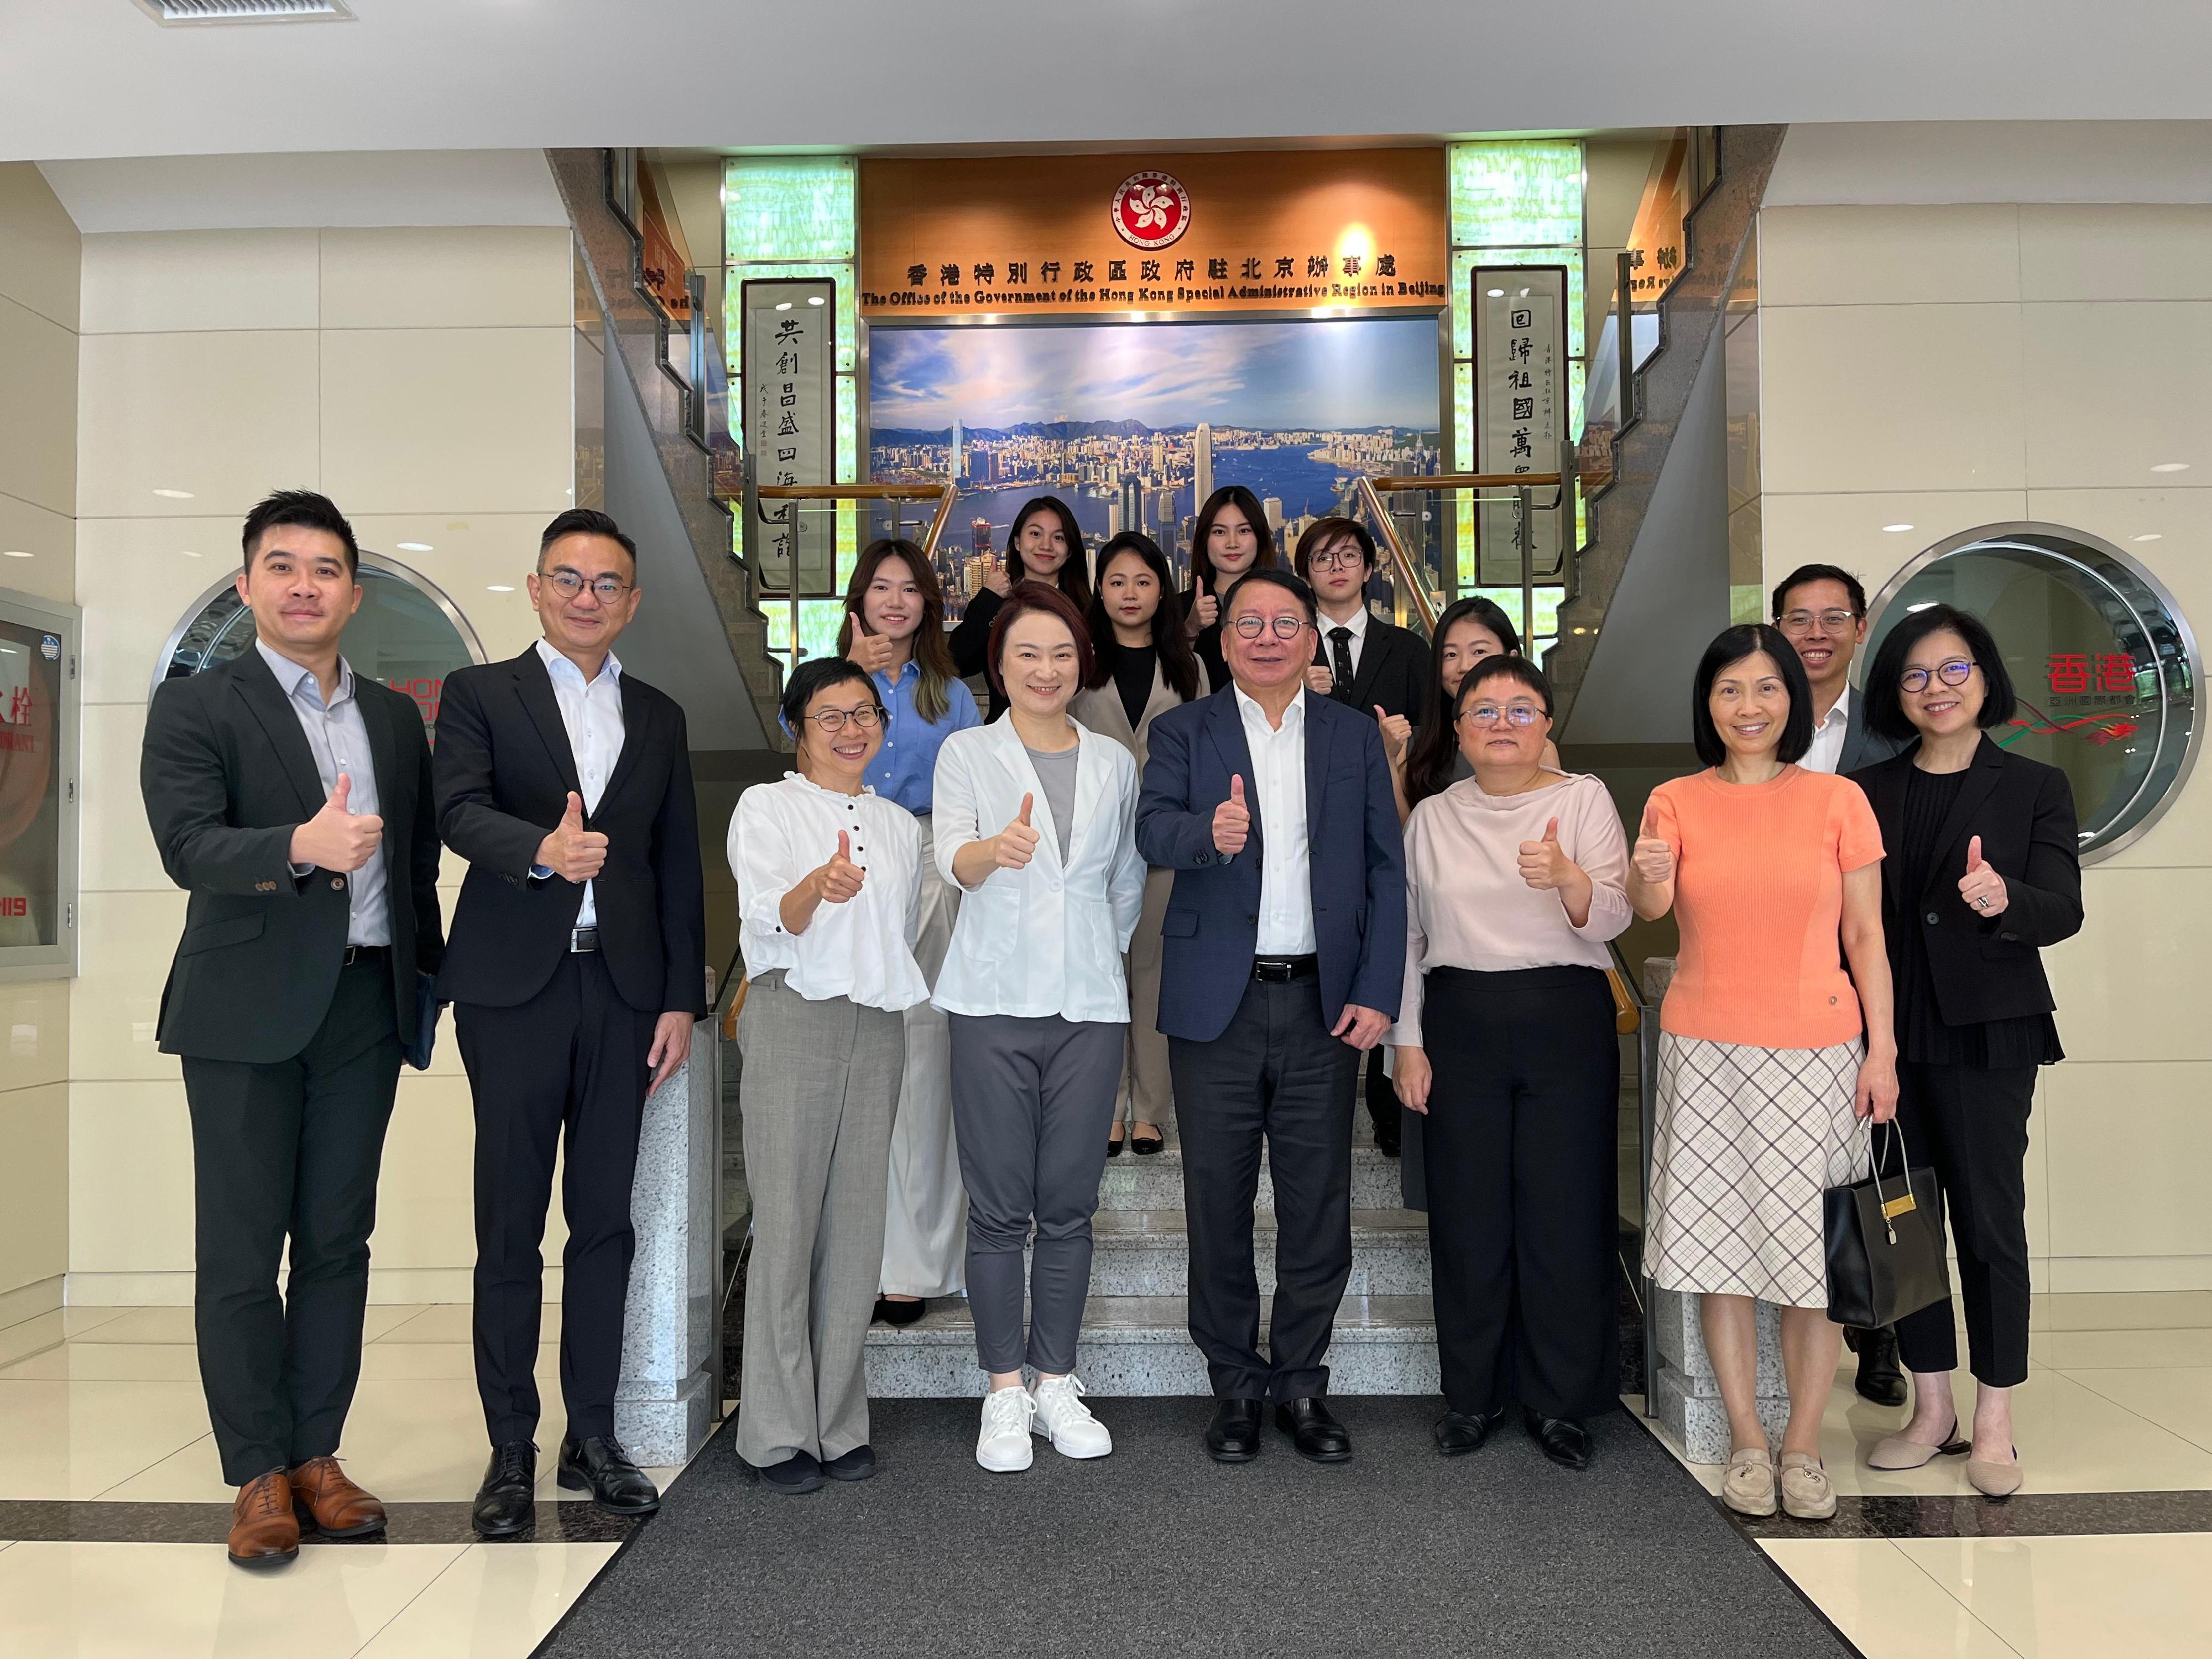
(755, 493)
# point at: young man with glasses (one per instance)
(577, 964)
(1821, 609)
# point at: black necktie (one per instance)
(1339, 645)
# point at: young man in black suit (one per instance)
(1372, 665)
(577, 966)
(291, 799)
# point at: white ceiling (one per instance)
(88, 78)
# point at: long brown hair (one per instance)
(1074, 576)
(1178, 663)
(932, 657)
(1201, 562)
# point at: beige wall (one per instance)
(422, 378)
(1947, 366)
(37, 555)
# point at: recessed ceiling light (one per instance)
(16, 553)
(783, 305)
(500, 587)
(175, 495)
(2171, 467)
(1497, 293)
(815, 300)
(414, 547)
(2147, 536)
(1894, 528)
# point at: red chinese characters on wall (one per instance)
(2073, 674)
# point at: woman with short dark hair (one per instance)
(1044, 547)
(1769, 1050)
(1983, 870)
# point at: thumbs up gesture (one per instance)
(336, 837)
(1232, 821)
(1544, 864)
(872, 652)
(572, 851)
(839, 881)
(1013, 846)
(1982, 887)
(1654, 857)
(1397, 733)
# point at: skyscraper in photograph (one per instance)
(1133, 501)
(959, 467)
(1113, 517)
(1272, 507)
(1201, 456)
(980, 533)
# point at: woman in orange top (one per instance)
(1767, 1054)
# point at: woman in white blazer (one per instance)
(1036, 823)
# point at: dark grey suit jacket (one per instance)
(1862, 745)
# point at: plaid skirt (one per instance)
(1744, 1141)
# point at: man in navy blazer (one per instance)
(1283, 957)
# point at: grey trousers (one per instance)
(1147, 1085)
(1032, 1101)
(821, 1082)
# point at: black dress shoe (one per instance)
(858, 1464)
(1564, 1441)
(1146, 1145)
(797, 1473)
(1880, 1377)
(1317, 1436)
(900, 1313)
(598, 1464)
(506, 1505)
(1114, 1147)
(1233, 1437)
(1457, 1434)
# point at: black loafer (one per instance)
(598, 1464)
(1114, 1147)
(1233, 1437)
(900, 1313)
(858, 1464)
(1564, 1441)
(1457, 1434)
(506, 1505)
(1146, 1145)
(1317, 1436)
(1880, 1377)
(797, 1473)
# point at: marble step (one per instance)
(1140, 1344)
(1156, 1183)
(1147, 1253)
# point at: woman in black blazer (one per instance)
(1982, 870)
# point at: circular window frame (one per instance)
(382, 563)
(2011, 532)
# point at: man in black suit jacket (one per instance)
(1372, 665)
(291, 799)
(577, 966)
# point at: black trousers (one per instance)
(564, 1070)
(1970, 1124)
(291, 1148)
(1524, 1224)
(1276, 1075)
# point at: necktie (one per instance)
(1340, 646)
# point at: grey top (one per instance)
(1056, 775)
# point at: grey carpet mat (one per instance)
(1156, 1550)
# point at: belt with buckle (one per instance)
(1281, 970)
(583, 938)
(364, 953)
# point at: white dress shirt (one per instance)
(1357, 622)
(1046, 939)
(863, 949)
(591, 714)
(1279, 782)
(338, 737)
(1826, 754)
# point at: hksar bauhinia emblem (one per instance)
(1152, 210)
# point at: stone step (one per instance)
(1156, 1183)
(1147, 1253)
(1140, 1344)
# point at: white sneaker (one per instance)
(1064, 1419)
(1004, 1445)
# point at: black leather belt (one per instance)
(1281, 970)
(365, 953)
(583, 938)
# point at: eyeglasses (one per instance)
(1513, 713)
(1342, 558)
(1286, 628)
(569, 583)
(866, 718)
(1832, 622)
(1953, 673)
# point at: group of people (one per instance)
(1207, 851)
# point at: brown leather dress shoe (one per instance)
(332, 1504)
(264, 1531)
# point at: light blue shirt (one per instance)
(905, 768)
(338, 737)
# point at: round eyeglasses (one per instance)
(866, 718)
(1953, 673)
(1286, 628)
(1337, 558)
(569, 583)
(1513, 713)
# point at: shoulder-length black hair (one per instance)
(1885, 706)
(1429, 763)
(1074, 576)
(1235, 496)
(1178, 662)
(1733, 645)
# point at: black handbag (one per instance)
(1885, 1242)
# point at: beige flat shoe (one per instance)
(1748, 1487)
(1995, 1480)
(1898, 1452)
(1806, 1494)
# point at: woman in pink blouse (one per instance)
(1516, 880)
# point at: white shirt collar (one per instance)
(1839, 712)
(1357, 622)
(290, 674)
(555, 664)
(1294, 716)
(805, 782)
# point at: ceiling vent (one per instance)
(246, 11)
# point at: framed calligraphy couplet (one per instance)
(1520, 398)
(791, 427)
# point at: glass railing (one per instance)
(1508, 538)
(798, 544)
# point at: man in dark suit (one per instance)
(577, 967)
(1367, 663)
(291, 799)
(1285, 954)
